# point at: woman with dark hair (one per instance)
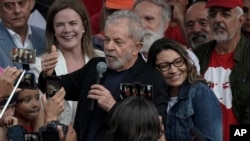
(134, 119)
(191, 103)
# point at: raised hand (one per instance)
(54, 106)
(49, 61)
(7, 80)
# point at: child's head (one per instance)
(27, 105)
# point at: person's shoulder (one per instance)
(201, 88)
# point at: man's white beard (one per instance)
(220, 37)
(150, 38)
(225, 36)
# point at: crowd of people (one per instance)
(191, 57)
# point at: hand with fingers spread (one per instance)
(49, 61)
(57, 102)
(7, 80)
(102, 95)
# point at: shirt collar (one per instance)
(14, 34)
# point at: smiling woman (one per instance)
(191, 103)
(68, 36)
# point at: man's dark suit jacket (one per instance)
(77, 85)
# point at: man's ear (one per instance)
(242, 19)
(138, 47)
(165, 25)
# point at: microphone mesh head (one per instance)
(101, 67)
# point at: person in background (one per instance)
(196, 24)
(15, 32)
(191, 103)
(246, 25)
(109, 6)
(39, 13)
(68, 28)
(123, 40)
(134, 119)
(225, 62)
(156, 20)
(98, 20)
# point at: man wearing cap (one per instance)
(225, 62)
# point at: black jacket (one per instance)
(77, 85)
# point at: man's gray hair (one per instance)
(166, 15)
(136, 29)
(240, 11)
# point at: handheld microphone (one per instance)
(196, 134)
(101, 67)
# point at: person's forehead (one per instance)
(147, 7)
(28, 92)
(193, 14)
(197, 7)
(117, 29)
(220, 9)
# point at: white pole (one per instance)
(12, 93)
